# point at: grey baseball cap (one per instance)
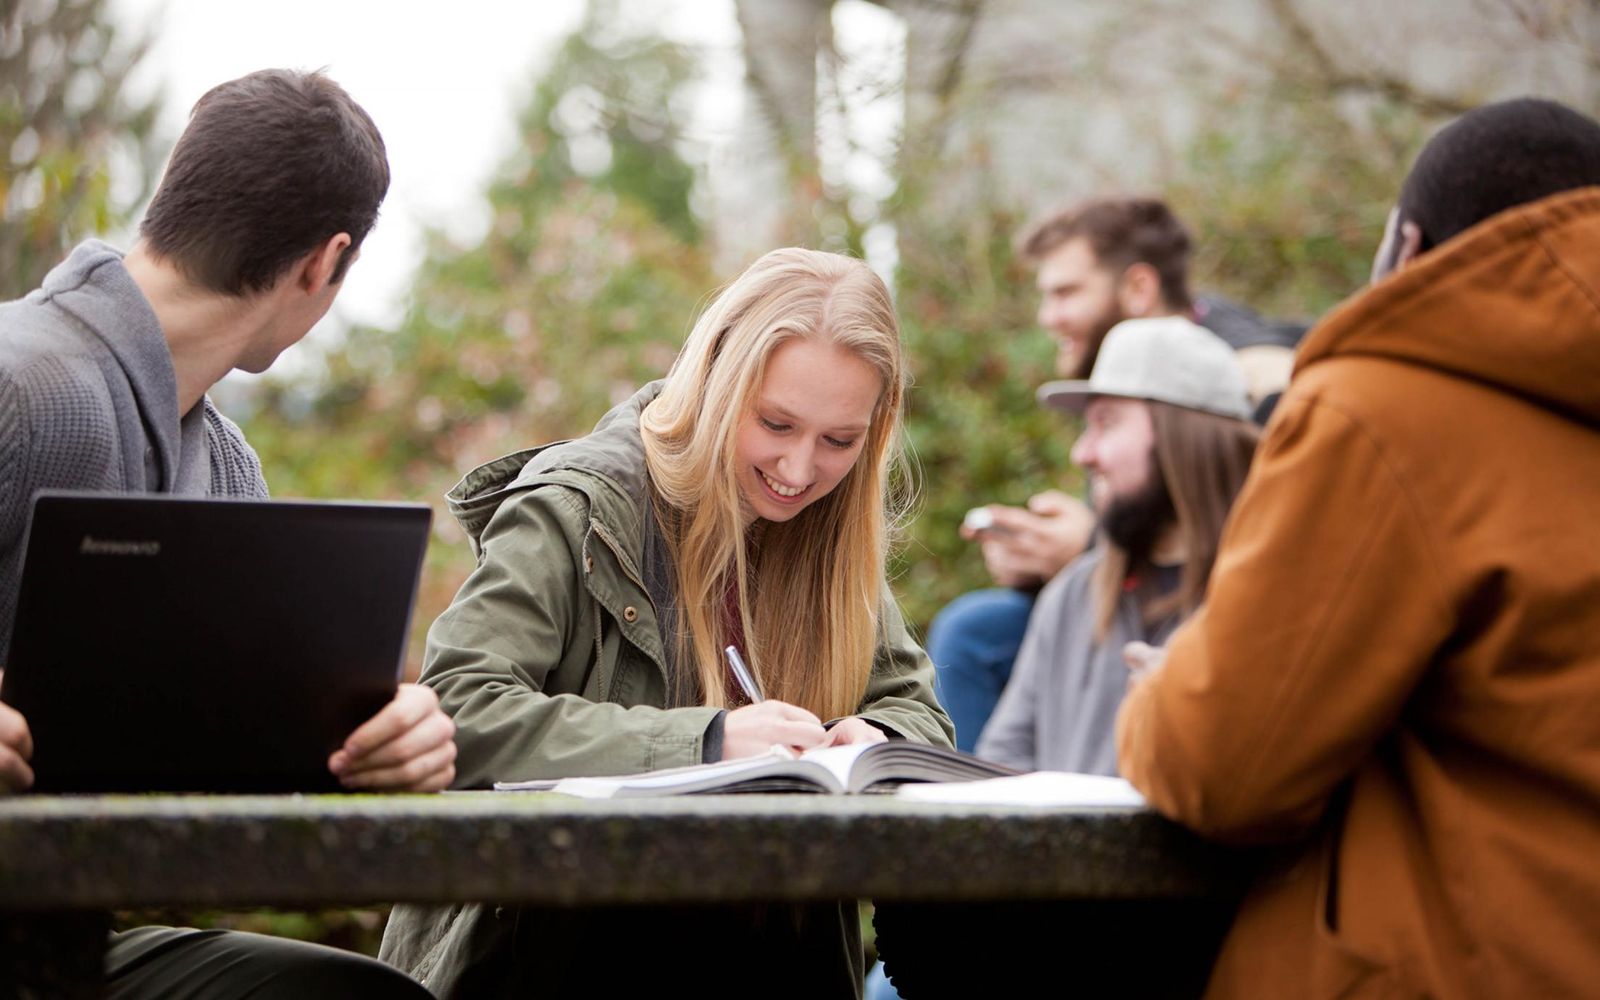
(1168, 359)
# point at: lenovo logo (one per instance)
(91, 546)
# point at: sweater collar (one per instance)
(94, 287)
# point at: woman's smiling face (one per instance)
(806, 427)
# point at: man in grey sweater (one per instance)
(104, 371)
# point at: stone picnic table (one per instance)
(66, 862)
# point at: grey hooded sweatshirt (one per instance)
(89, 401)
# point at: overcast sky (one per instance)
(442, 81)
(444, 84)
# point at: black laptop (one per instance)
(171, 644)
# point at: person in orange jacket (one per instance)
(1397, 670)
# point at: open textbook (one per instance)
(869, 767)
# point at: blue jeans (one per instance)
(973, 642)
(878, 986)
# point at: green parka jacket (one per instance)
(552, 661)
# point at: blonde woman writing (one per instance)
(743, 501)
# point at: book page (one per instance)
(663, 780)
(897, 762)
(1040, 788)
(839, 760)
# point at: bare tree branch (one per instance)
(1341, 78)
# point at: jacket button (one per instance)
(588, 564)
(630, 614)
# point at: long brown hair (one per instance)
(1203, 459)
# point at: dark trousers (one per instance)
(1091, 948)
(778, 951)
(177, 963)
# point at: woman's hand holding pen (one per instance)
(756, 728)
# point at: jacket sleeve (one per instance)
(1326, 605)
(516, 643)
(900, 689)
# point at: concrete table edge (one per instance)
(119, 852)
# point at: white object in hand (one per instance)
(978, 519)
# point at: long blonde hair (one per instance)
(809, 589)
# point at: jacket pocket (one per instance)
(635, 679)
(1338, 970)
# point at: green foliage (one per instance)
(1287, 192)
(966, 309)
(65, 123)
(582, 290)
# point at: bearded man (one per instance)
(1166, 445)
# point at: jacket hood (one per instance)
(93, 286)
(1512, 302)
(607, 465)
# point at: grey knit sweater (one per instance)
(89, 401)
(1059, 709)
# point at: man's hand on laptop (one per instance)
(407, 747)
(16, 749)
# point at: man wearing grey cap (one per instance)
(1166, 445)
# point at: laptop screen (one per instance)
(176, 644)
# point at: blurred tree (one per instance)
(965, 307)
(76, 156)
(966, 315)
(1273, 126)
(1278, 140)
(1287, 198)
(775, 196)
(1278, 128)
(582, 289)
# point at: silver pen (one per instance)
(742, 674)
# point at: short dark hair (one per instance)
(271, 165)
(1497, 157)
(1121, 232)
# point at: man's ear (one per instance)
(1139, 291)
(320, 267)
(1401, 243)
(1410, 244)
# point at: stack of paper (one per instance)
(1041, 788)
